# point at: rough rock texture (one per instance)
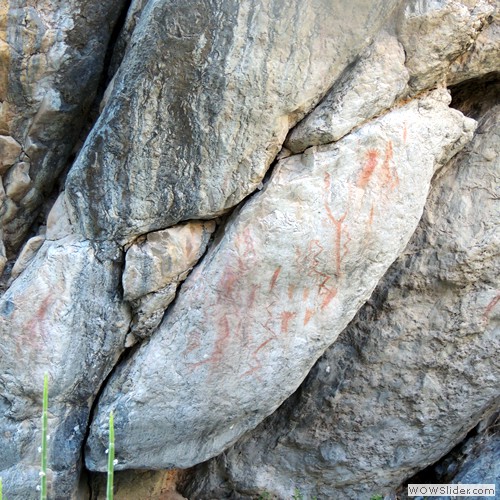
(475, 460)
(139, 485)
(484, 55)
(205, 154)
(482, 465)
(371, 86)
(301, 257)
(63, 316)
(154, 268)
(51, 54)
(483, 468)
(438, 32)
(202, 96)
(435, 41)
(413, 372)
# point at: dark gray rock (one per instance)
(63, 316)
(202, 102)
(52, 55)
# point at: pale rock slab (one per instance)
(483, 57)
(290, 271)
(58, 223)
(155, 267)
(26, 255)
(62, 315)
(435, 33)
(18, 181)
(377, 79)
(202, 103)
(410, 376)
(51, 54)
(162, 256)
(10, 151)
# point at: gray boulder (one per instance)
(410, 376)
(285, 277)
(52, 54)
(202, 103)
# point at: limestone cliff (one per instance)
(262, 233)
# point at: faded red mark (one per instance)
(327, 181)
(324, 278)
(286, 317)
(269, 321)
(34, 333)
(337, 224)
(257, 365)
(491, 306)
(193, 343)
(405, 133)
(368, 168)
(324, 289)
(389, 177)
(305, 294)
(275, 278)
(34, 325)
(223, 334)
(252, 296)
(291, 290)
(228, 281)
(370, 219)
(244, 242)
(262, 345)
(309, 314)
(328, 297)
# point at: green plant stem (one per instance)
(1, 488)
(111, 457)
(43, 468)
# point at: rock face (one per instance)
(372, 86)
(52, 55)
(154, 268)
(474, 461)
(205, 154)
(52, 322)
(185, 251)
(411, 374)
(336, 208)
(437, 34)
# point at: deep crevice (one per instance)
(476, 96)
(106, 74)
(125, 355)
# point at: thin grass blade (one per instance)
(111, 457)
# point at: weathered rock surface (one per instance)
(163, 255)
(202, 97)
(51, 55)
(202, 103)
(367, 89)
(437, 33)
(288, 274)
(155, 267)
(62, 316)
(476, 460)
(412, 373)
(483, 57)
(482, 466)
